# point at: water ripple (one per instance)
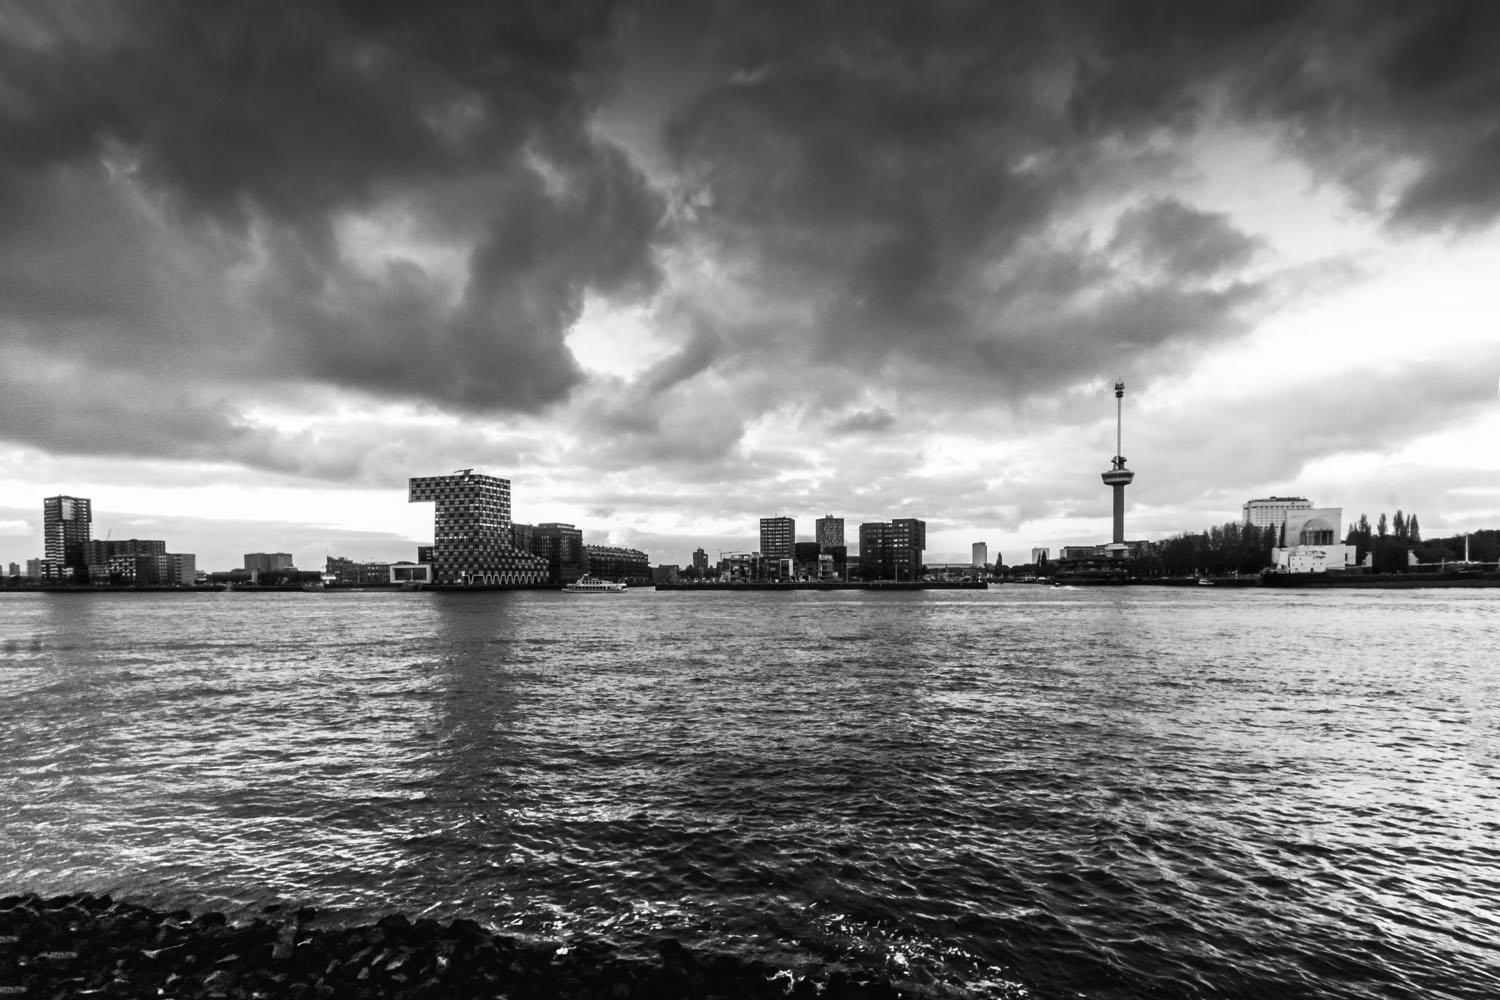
(1025, 792)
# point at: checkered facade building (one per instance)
(471, 538)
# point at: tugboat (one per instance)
(589, 585)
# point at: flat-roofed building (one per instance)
(410, 573)
(102, 550)
(621, 565)
(471, 541)
(778, 535)
(65, 537)
(184, 568)
(268, 562)
(806, 555)
(1271, 512)
(560, 547)
(892, 550)
(349, 572)
(830, 532)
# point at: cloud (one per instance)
(877, 419)
(348, 241)
(1352, 411)
(222, 152)
(1181, 242)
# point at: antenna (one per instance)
(1119, 421)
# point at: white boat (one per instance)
(588, 585)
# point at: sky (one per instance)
(673, 267)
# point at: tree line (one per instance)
(1222, 550)
(1235, 547)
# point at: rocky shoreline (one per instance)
(85, 945)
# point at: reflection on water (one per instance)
(1113, 793)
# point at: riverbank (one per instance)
(78, 945)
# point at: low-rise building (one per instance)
(954, 571)
(347, 572)
(1311, 542)
(408, 572)
(621, 565)
(183, 568)
(267, 562)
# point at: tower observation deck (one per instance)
(1117, 478)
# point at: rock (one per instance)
(211, 919)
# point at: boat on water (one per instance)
(589, 585)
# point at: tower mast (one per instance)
(1118, 477)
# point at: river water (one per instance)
(1025, 792)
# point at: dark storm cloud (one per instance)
(897, 167)
(272, 124)
(131, 418)
(1357, 88)
(910, 176)
(1181, 241)
(977, 199)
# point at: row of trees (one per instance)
(1242, 548)
(1220, 551)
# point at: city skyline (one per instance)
(722, 263)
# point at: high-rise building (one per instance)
(907, 540)
(777, 536)
(700, 561)
(872, 539)
(65, 535)
(830, 532)
(15, 569)
(560, 546)
(1272, 512)
(892, 551)
(980, 555)
(471, 531)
